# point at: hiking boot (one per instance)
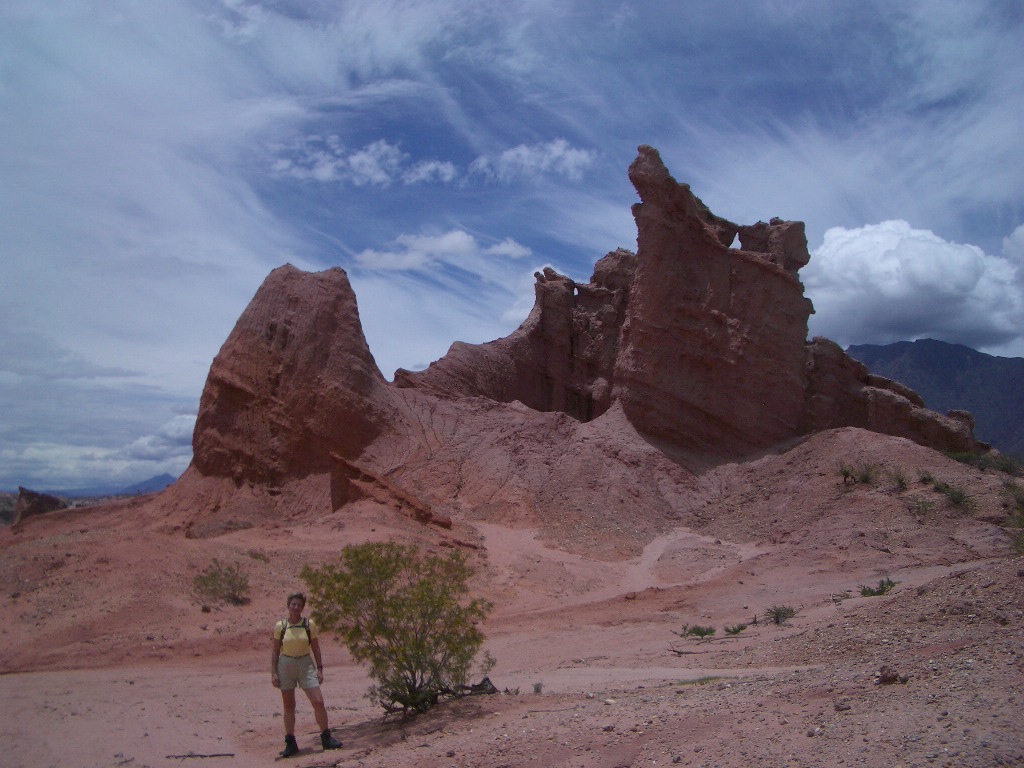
(328, 741)
(290, 746)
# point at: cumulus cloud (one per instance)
(530, 161)
(173, 440)
(50, 465)
(888, 282)
(1013, 250)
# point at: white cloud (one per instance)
(888, 282)
(430, 170)
(530, 161)
(172, 441)
(379, 163)
(455, 248)
(1013, 249)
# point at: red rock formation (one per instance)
(841, 392)
(561, 358)
(32, 503)
(691, 342)
(294, 381)
(712, 353)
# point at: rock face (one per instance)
(294, 381)
(689, 347)
(703, 345)
(952, 376)
(712, 353)
(562, 358)
(31, 503)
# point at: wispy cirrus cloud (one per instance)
(556, 157)
(455, 248)
(157, 160)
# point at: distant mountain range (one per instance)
(952, 376)
(157, 483)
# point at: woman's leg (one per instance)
(316, 698)
(288, 699)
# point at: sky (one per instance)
(159, 159)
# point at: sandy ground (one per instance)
(109, 661)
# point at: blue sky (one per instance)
(157, 160)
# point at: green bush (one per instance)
(919, 506)
(735, 630)
(697, 631)
(863, 473)
(1016, 493)
(406, 613)
(958, 497)
(899, 479)
(990, 460)
(884, 587)
(780, 614)
(221, 583)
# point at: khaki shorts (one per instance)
(296, 671)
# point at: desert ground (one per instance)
(108, 658)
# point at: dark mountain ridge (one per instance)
(956, 377)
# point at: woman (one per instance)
(291, 665)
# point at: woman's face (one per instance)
(295, 605)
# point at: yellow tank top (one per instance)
(294, 641)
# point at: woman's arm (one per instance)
(314, 645)
(275, 654)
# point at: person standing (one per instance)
(291, 664)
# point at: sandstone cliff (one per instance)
(605, 397)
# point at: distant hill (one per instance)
(157, 483)
(950, 376)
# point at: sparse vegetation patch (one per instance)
(864, 473)
(222, 583)
(898, 478)
(957, 496)
(884, 587)
(779, 614)
(991, 460)
(697, 631)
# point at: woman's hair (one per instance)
(294, 596)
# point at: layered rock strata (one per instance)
(694, 345)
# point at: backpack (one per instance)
(305, 625)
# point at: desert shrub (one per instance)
(1015, 522)
(866, 473)
(780, 614)
(919, 506)
(925, 476)
(990, 460)
(1016, 493)
(862, 473)
(898, 478)
(735, 630)
(221, 583)
(958, 497)
(697, 631)
(884, 587)
(256, 554)
(407, 614)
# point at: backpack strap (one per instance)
(284, 624)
